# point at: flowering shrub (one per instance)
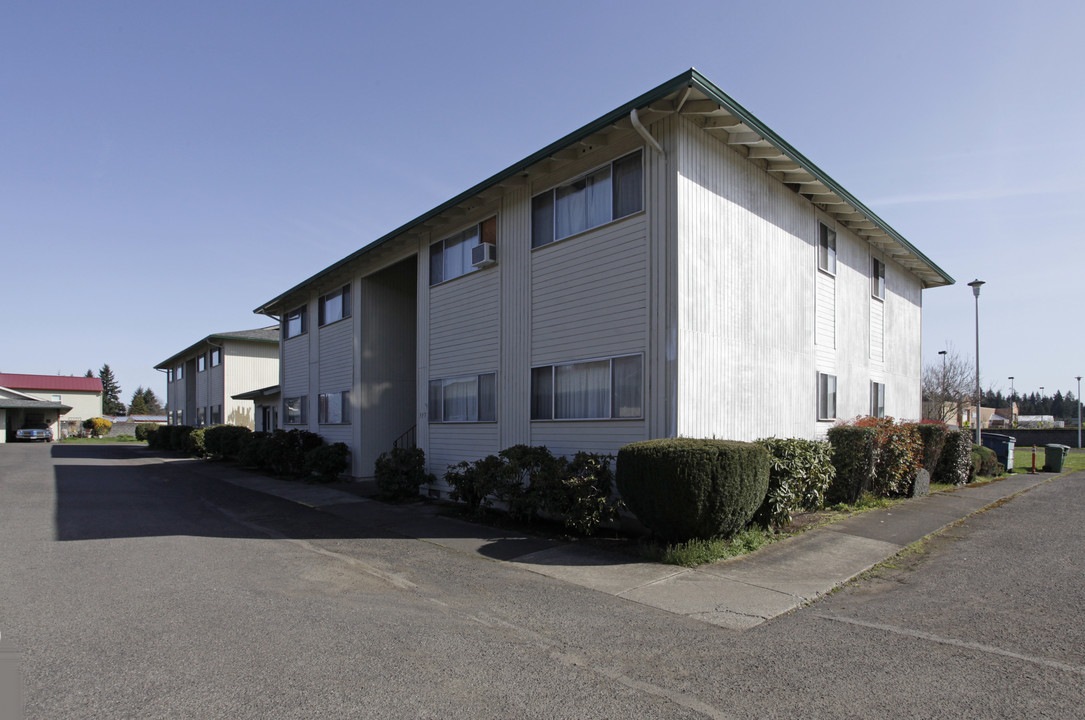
(98, 426)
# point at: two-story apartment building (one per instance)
(202, 379)
(673, 268)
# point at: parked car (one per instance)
(34, 433)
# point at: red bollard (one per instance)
(1033, 460)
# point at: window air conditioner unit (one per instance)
(483, 255)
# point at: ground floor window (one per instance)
(333, 408)
(464, 398)
(216, 414)
(877, 399)
(607, 388)
(201, 417)
(294, 410)
(826, 396)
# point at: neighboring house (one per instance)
(265, 407)
(1035, 421)
(673, 268)
(962, 415)
(202, 379)
(63, 402)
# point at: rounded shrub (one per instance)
(145, 430)
(327, 462)
(799, 474)
(955, 463)
(684, 488)
(401, 472)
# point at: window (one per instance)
(216, 414)
(201, 363)
(180, 417)
(216, 357)
(334, 306)
(294, 410)
(877, 399)
(295, 322)
(201, 416)
(333, 408)
(451, 257)
(826, 397)
(179, 373)
(826, 248)
(877, 278)
(591, 390)
(56, 398)
(609, 193)
(465, 398)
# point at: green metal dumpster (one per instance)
(1054, 455)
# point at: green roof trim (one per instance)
(689, 78)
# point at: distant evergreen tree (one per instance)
(154, 405)
(138, 404)
(90, 373)
(111, 391)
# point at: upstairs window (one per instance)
(216, 357)
(877, 399)
(609, 193)
(826, 249)
(465, 398)
(334, 306)
(179, 373)
(295, 322)
(201, 363)
(169, 375)
(826, 396)
(877, 278)
(450, 258)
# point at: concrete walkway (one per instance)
(739, 593)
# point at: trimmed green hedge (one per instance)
(985, 462)
(955, 464)
(855, 457)
(685, 488)
(401, 472)
(933, 437)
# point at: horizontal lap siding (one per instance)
(601, 436)
(336, 357)
(450, 443)
(589, 294)
(465, 325)
(295, 354)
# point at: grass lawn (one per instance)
(101, 441)
(1022, 459)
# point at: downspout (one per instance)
(643, 132)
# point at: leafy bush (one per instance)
(98, 427)
(145, 430)
(933, 436)
(955, 464)
(685, 488)
(327, 462)
(286, 450)
(473, 483)
(225, 441)
(985, 462)
(583, 497)
(800, 471)
(194, 443)
(855, 457)
(401, 472)
(532, 481)
(179, 437)
(254, 450)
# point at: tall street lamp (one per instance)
(1079, 412)
(945, 389)
(976, 285)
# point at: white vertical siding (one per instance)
(877, 330)
(245, 366)
(825, 311)
(745, 279)
(514, 266)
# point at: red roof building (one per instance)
(53, 383)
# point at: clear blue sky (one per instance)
(167, 167)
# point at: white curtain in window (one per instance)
(582, 390)
(584, 204)
(626, 392)
(461, 399)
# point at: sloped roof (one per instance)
(691, 94)
(258, 393)
(20, 403)
(269, 334)
(53, 383)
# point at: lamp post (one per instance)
(976, 285)
(1078, 412)
(945, 389)
(1012, 394)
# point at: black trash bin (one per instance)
(1003, 447)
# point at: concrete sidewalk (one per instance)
(739, 593)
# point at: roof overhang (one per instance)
(213, 340)
(269, 391)
(692, 95)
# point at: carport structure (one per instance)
(18, 410)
